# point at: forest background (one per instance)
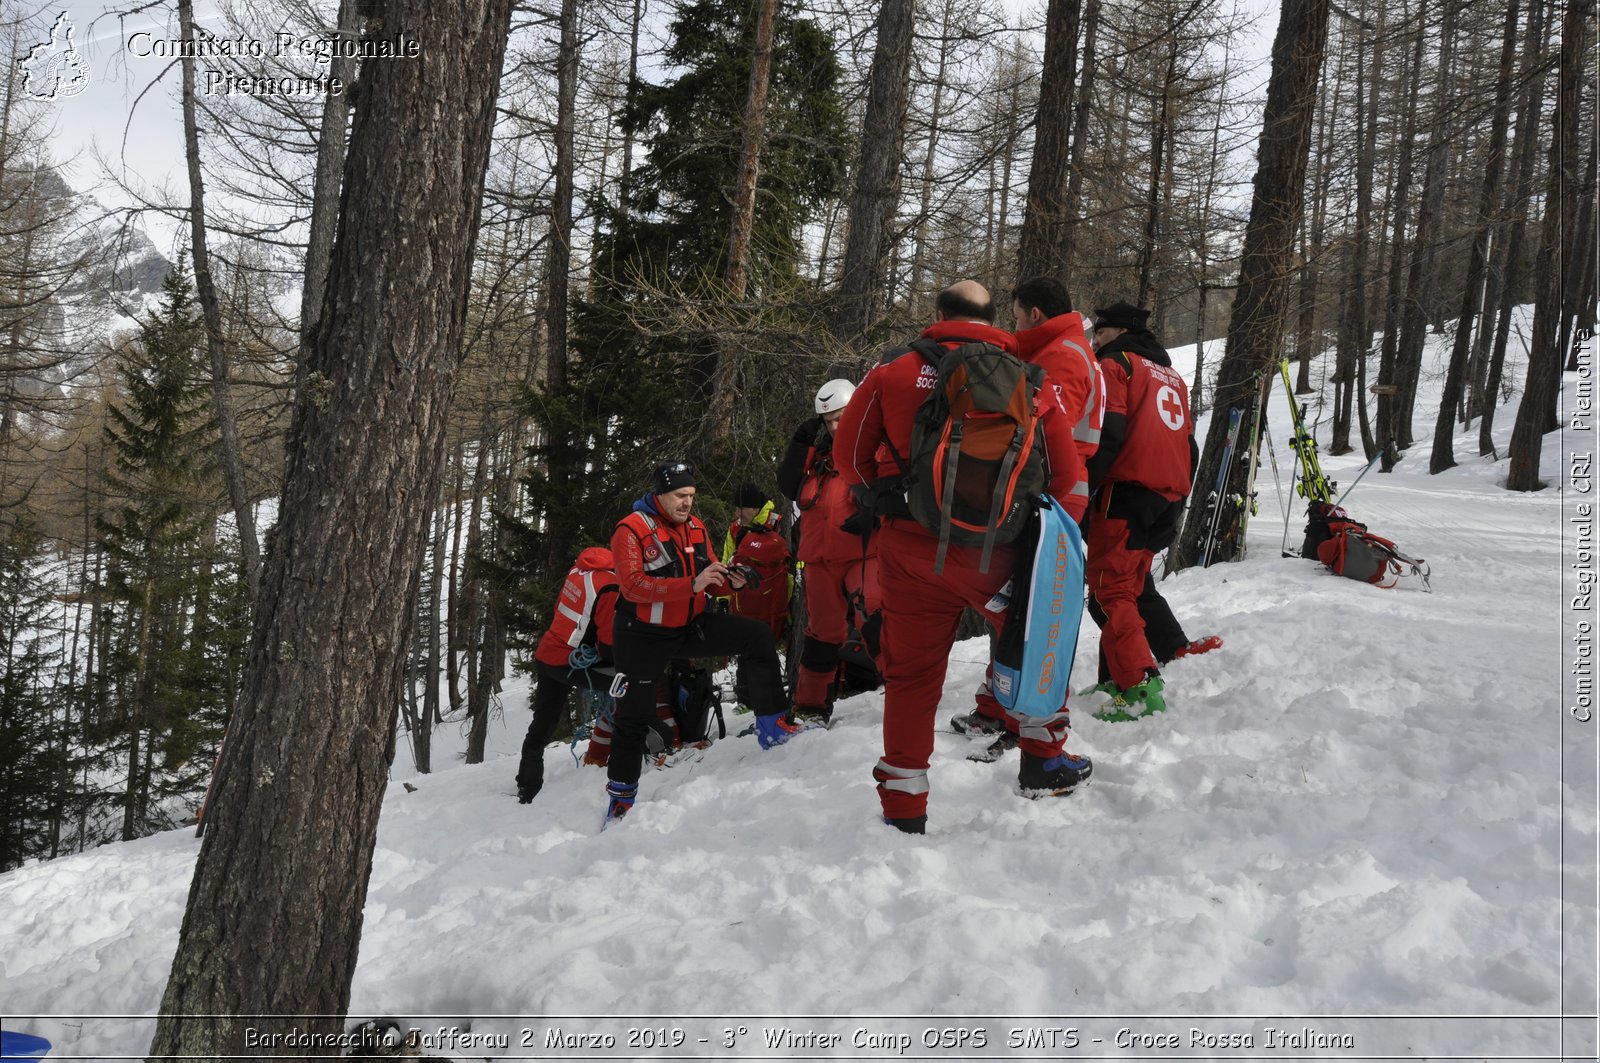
(694, 213)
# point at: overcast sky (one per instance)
(140, 136)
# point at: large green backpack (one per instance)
(977, 448)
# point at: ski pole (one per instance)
(1375, 459)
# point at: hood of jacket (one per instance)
(1143, 344)
(596, 559)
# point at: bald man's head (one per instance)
(965, 300)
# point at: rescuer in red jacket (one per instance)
(922, 610)
(1050, 335)
(573, 654)
(840, 574)
(1140, 478)
(665, 573)
(755, 540)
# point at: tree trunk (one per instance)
(736, 274)
(1516, 212)
(1444, 451)
(1423, 275)
(1255, 328)
(1153, 213)
(331, 142)
(273, 921)
(872, 203)
(1047, 223)
(211, 310)
(1081, 111)
(1388, 416)
(1545, 356)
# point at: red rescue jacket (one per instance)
(584, 610)
(762, 547)
(657, 562)
(885, 406)
(1061, 348)
(1149, 402)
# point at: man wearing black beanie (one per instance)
(665, 575)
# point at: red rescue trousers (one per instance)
(1116, 575)
(829, 586)
(921, 613)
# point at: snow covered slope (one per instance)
(1368, 817)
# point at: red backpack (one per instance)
(1350, 550)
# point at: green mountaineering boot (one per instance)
(1140, 700)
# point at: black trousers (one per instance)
(550, 695)
(1161, 628)
(642, 652)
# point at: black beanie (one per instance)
(749, 496)
(1121, 314)
(671, 475)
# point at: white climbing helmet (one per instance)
(834, 396)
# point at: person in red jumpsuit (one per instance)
(840, 573)
(1050, 334)
(1140, 479)
(922, 610)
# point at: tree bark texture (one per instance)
(273, 922)
(1255, 327)
(1545, 356)
(1046, 225)
(331, 143)
(1516, 213)
(872, 203)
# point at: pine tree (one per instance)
(172, 616)
(36, 767)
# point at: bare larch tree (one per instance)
(273, 922)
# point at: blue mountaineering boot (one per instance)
(1142, 699)
(1055, 777)
(620, 797)
(775, 730)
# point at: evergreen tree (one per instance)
(172, 618)
(36, 767)
(638, 384)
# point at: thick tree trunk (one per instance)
(1444, 451)
(1047, 224)
(1255, 328)
(1545, 356)
(1081, 111)
(273, 922)
(211, 310)
(872, 203)
(1516, 211)
(736, 272)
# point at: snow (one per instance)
(1369, 816)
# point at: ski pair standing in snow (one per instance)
(840, 577)
(1140, 478)
(928, 579)
(574, 654)
(665, 576)
(1050, 335)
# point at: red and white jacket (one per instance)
(1060, 347)
(584, 610)
(657, 562)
